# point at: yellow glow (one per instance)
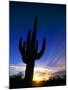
(40, 78)
(46, 77)
(36, 78)
(41, 74)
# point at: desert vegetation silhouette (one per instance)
(29, 51)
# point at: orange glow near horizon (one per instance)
(40, 77)
(37, 78)
(41, 74)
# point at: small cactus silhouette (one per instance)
(29, 51)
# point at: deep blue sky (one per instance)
(51, 25)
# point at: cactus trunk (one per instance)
(29, 71)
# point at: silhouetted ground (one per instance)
(17, 82)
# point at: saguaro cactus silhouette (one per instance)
(29, 51)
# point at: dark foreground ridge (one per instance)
(18, 82)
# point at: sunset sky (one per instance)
(51, 25)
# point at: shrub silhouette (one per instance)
(29, 51)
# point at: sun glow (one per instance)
(41, 74)
(40, 77)
(37, 78)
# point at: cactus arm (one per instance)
(22, 49)
(36, 49)
(41, 51)
(20, 45)
(24, 57)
